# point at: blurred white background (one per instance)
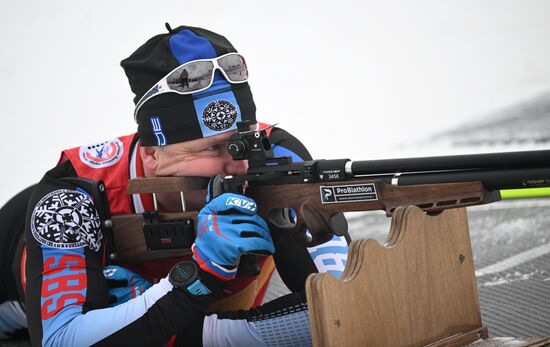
(350, 78)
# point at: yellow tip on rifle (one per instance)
(525, 193)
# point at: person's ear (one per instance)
(149, 157)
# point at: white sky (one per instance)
(350, 78)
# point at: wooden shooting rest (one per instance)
(418, 289)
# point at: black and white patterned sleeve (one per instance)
(281, 322)
(67, 299)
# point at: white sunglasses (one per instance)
(198, 75)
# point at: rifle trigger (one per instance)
(338, 224)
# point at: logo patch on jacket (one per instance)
(66, 219)
(103, 154)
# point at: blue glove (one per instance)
(123, 284)
(229, 226)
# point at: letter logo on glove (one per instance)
(238, 230)
(247, 204)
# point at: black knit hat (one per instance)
(171, 117)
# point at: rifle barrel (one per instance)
(502, 160)
(491, 179)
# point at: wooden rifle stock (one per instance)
(129, 234)
(313, 210)
(130, 241)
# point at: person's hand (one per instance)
(123, 284)
(229, 226)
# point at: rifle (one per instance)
(319, 190)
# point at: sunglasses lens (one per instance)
(234, 67)
(198, 75)
(191, 77)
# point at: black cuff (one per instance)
(213, 283)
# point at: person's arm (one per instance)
(281, 322)
(66, 293)
(295, 262)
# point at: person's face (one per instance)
(206, 157)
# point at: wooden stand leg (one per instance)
(417, 289)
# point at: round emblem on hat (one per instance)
(66, 219)
(102, 154)
(219, 115)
